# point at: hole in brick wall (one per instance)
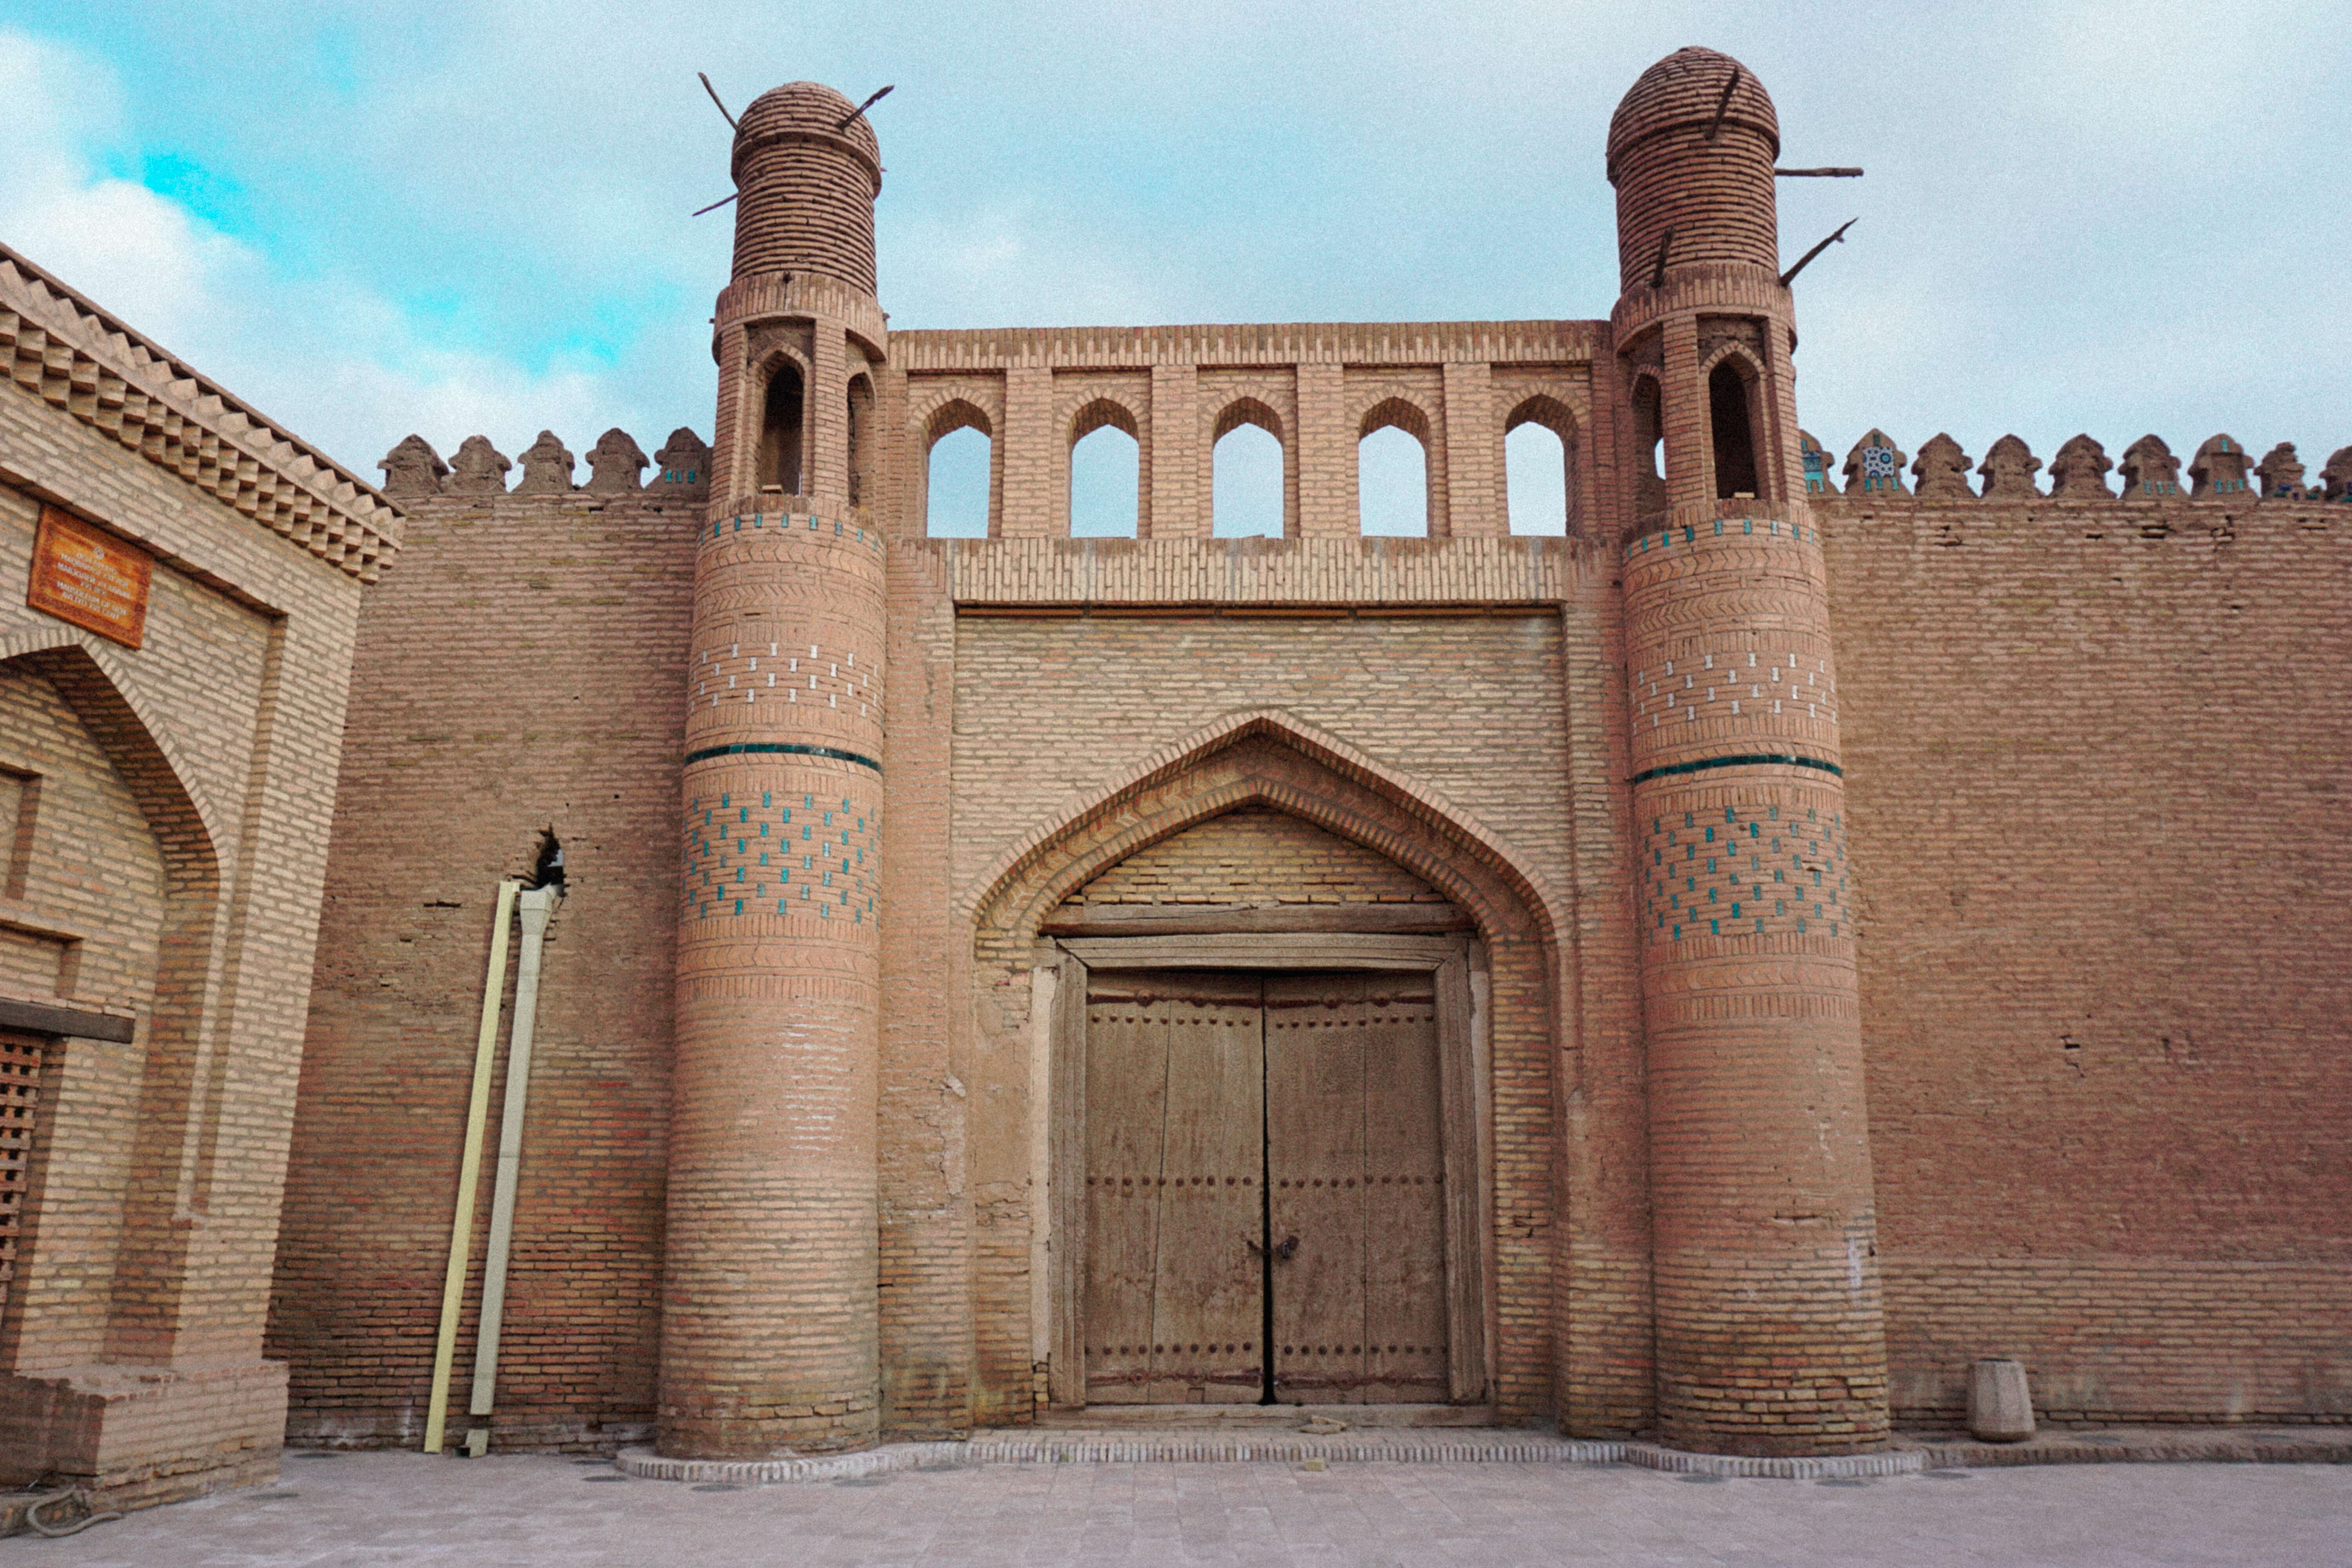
(779, 432)
(1392, 485)
(1535, 474)
(1104, 466)
(548, 871)
(1245, 486)
(958, 494)
(1734, 445)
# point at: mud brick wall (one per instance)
(2097, 757)
(524, 669)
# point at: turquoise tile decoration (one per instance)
(1738, 881)
(712, 859)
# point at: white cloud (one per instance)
(335, 360)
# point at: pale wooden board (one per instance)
(1208, 1284)
(1403, 1193)
(1173, 1078)
(1353, 1149)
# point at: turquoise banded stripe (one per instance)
(1753, 760)
(771, 748)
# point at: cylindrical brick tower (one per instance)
(1770, 1338)
(768, 1315)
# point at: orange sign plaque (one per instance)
(90, 577)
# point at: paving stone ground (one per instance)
(399, 1508)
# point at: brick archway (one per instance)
(1273, 759)
(174, 1132)
(1270, 761)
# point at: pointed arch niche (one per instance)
(115, 888)
(1264, 844)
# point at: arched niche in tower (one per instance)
(782, 418)
(1731, 419)
(861, 441)
(1649, 439)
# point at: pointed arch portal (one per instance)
(1269, 1126)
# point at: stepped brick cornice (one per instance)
(60, 347)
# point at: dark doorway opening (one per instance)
(1735, 443)
(779, 432)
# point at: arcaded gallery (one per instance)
(683, 963)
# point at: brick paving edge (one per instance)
(1909, 1456)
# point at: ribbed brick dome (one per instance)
(806, 186)
(1715, 196)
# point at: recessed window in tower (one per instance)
(1649, 482)
(861, 441)
(779, 432)
(1734, 444)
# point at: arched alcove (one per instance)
(1245, 478)
(1471, 944)
(108, 843)
(1541, 485)
(780, 425)
(1392, 471)
(861, 441)
(1106, 472)
(1730, 401)
(959, 471)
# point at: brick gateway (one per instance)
(1751, 956)
(1758, 816)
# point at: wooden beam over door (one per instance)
(1209, 920)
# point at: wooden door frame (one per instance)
(1457, 969)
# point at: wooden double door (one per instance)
(1265, 1205)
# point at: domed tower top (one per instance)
(805, 186)
(1677, 166)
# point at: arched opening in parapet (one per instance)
(959, 471)
(779, 430)
(1392, 471)
(1105, 470)
(1540, 481)
(861, 441)
(1649, 443)
(1245, 473)
(1730, 404)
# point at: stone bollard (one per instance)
(2001, 1405)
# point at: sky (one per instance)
(369, 219)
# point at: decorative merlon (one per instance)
(57, 345)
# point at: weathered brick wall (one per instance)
(131, 1347)
(2096, 753)
(91, 866)
(524, 669)
(1254, 855)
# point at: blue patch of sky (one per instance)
(206, 192)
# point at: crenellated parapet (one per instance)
(414, 471)
(2221, 474)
